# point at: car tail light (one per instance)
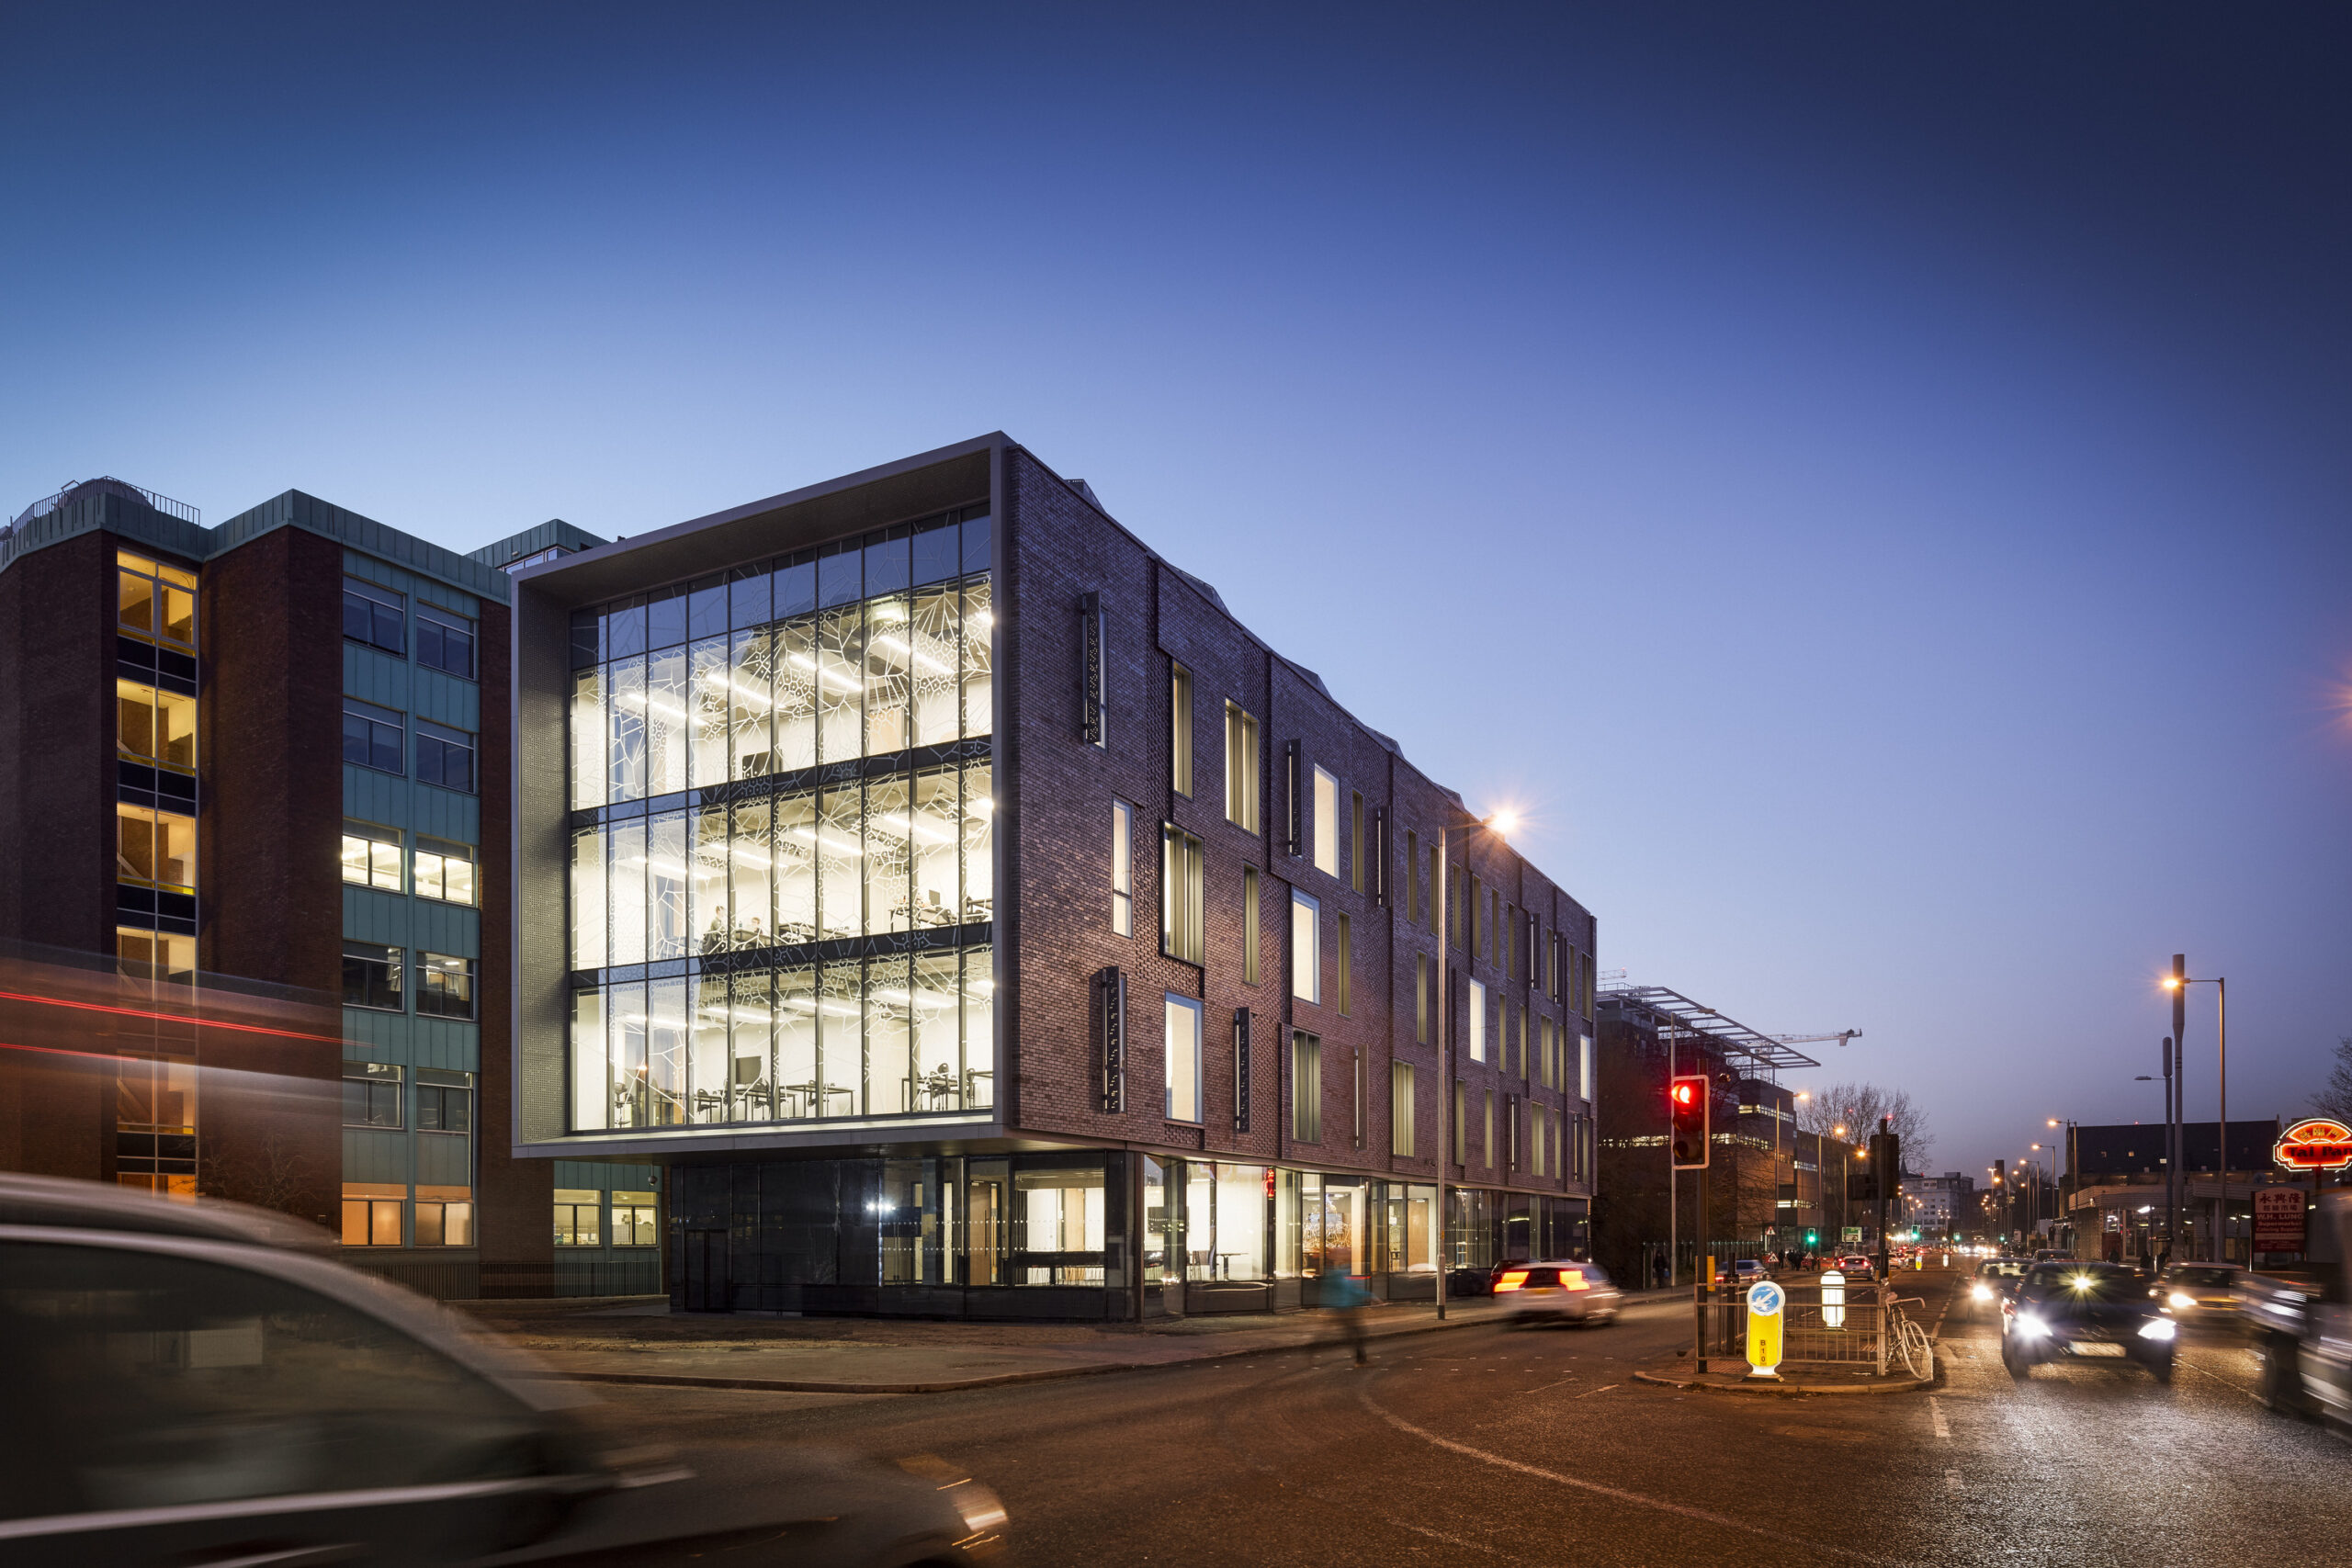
(1573, 1279)
(1510, 1281)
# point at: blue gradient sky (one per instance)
(1873, 490)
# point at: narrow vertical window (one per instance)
(1182, 930)
(1180, 738)
(1355, 840)
(1249, 925)
(1487, 1135)
(1478, 1020)
(1400, 1109)
(1306, 948)
(1461, 1124)
(1412, 875)
(1584, 1067)
(1327, 822)
(1347, 964)
(1122, 901)
(1240, 769)
(1184, 1058)
(1420, 999)
(1305, 1086)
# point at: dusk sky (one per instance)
(1869, 486)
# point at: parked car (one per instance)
(2098, 1314)
(1748, 1270)
(203, 1384)
(1559, 1292)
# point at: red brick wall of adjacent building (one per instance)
(1060, 802)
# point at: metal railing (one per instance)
(1865, 1329)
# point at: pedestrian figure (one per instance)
(1353, 1304)
(1657, 1271)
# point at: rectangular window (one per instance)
(1347, 965)
(1240, 769)
(1179, 721)
(154, 955)
(1507, 935)
(1305, 1086)
(371, 856)
(371, 1214)
(1355, 1122)
(1249, 925)
(374, 615)
(578, 1215)
(1184, 928)
(1421, 998)
(371, 1094)
(444, 1107)
(371, 977)
(636, 1218)
(1327, 822)
(1400, 1109)
(1184, 1058)
(1306, 948)
(154, 725)
(441, 1223)
(445, 757)
(372, 737)
(445, 641)
(1122, 883)
(1584, 1067)
(1478, 1020)
(1487, 1135)
(445, 986)
(444, 871)
(157, 848)
(1355, 840)
(1412, 875)
(1461, 1124)
(155, 601)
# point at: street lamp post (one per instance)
(2178, 982)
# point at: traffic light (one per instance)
(1812, 1238)
(1886, 1162)
(1686, 1099)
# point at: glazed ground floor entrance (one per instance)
(1076, 1234)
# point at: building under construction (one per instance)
(1767, 1185)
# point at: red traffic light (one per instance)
(1683, 1092)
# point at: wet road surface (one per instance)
(1486, 1445)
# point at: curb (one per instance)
(999, 1380)
(1790, 1391)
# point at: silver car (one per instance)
(201, 1383)
(1558, 1292)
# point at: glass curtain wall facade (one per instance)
(782, 860)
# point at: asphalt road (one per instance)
(1485, 1445)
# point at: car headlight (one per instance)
(2158, 1328)
(2180, 1303)
(1982, 1293)
(2029, 1326)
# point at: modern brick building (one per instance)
(242, 773)
(971, 916)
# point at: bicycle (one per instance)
(1908, 1340)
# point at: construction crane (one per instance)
(1841, 1037)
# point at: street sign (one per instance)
(1764, 1301)
(2278, 1218)
(2316, 1142)
(1833, 1299)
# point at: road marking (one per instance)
(1603, 1389)
(1562, 1384)
(1952, 1482)
(1721, 1521)
(1943, 1428)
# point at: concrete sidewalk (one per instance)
(642, 1342)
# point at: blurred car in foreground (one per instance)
(2201, 1293)
(2098, 1314)
(1558, 1292)
(201, 1384)
(2302, 1324)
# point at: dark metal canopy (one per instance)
(1664, 1009)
